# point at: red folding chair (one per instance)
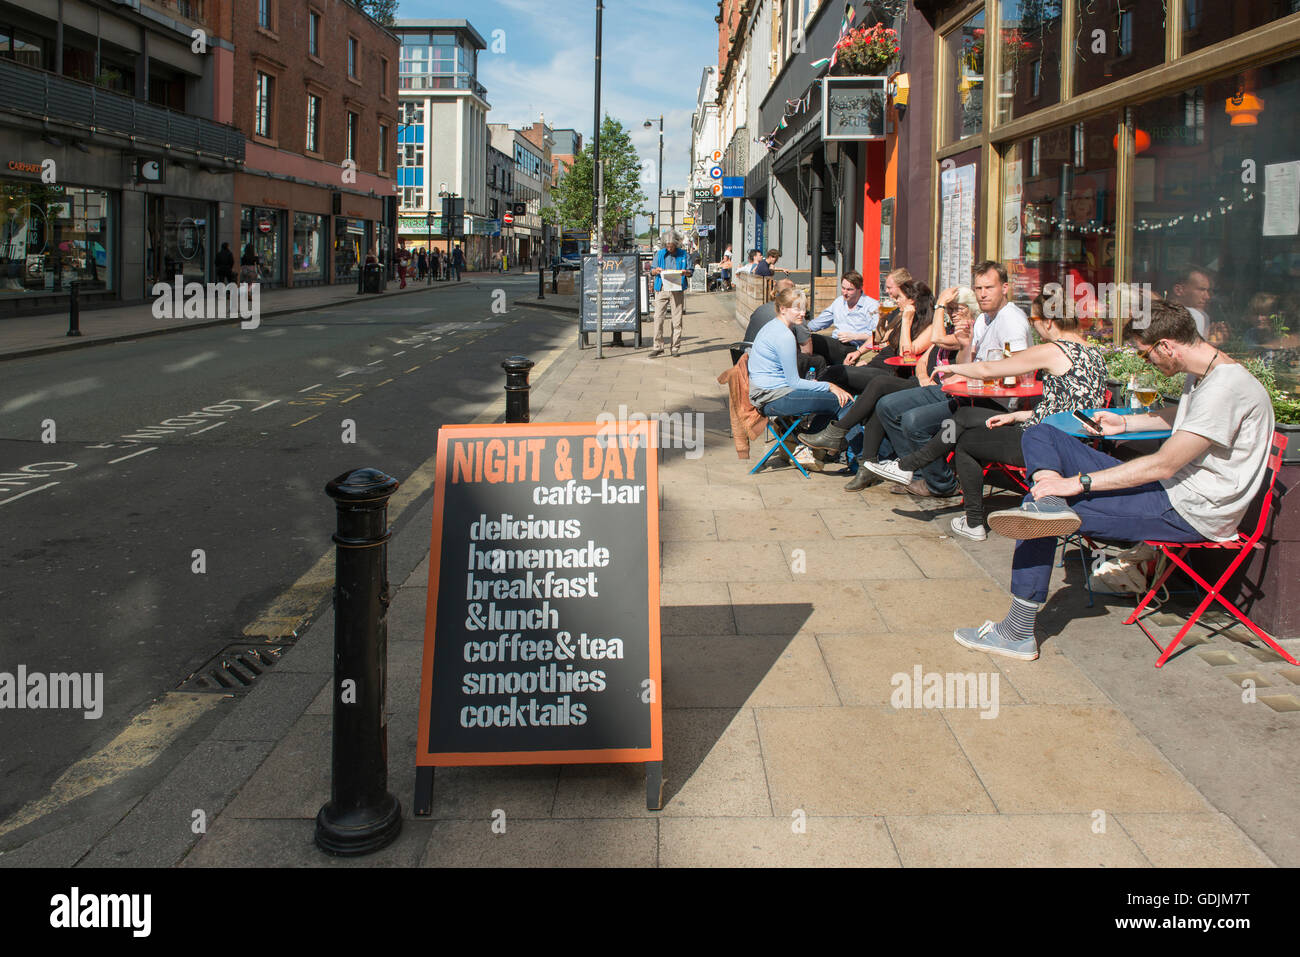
(1174, 552)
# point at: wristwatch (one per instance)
(1085, 480)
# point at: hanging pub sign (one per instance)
(854, 107)
(541, 641)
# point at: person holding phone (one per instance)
(1196, 487)
(1074, 377)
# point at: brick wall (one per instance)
(283, 53)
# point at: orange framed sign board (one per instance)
(541, 637)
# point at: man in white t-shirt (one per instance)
(1000, 321)
(1197, 486)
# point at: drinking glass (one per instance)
(1147, 392)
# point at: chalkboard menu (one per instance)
(619, 297)
(541, 642)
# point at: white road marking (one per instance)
(421, 345)
(375, 363)
(191, 362)
(133, 455)
(14, 498)
(349, 372)
(75, 387)
(264, 405)
(402, 353)
(216, 425)
(310, 387)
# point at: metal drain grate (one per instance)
(234, 669)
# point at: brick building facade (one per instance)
(315, 86)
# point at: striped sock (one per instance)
(1019, 623)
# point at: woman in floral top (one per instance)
(1074, 377)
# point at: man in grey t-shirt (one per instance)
(1196, 486)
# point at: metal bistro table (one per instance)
(1068, 424)
(991, 390)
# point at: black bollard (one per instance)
(555, 280)
(361, 278)
(517, 388)
(361, 816)
(74, 308)
(541, 283)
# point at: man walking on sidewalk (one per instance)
(457, 262)
(670, 257)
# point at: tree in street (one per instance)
(573, 197)
(384, 11)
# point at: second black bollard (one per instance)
(517, 388)
(361, 816)
(74, 308)
(541, 282)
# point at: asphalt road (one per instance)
(220, 440)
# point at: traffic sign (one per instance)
(508, 219)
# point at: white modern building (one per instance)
(532, 176)
(442, 134)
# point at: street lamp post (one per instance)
(659, 181)
(428, 245)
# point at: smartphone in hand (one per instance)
(1088, 421)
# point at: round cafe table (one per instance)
(900, 361)
(991, 390)
(1068, 424)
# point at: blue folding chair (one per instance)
(781, 438)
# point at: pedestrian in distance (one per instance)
(225, 264)
(422, 263)
(248, 265)
(401, 256)
(458, 262)
(671, 257)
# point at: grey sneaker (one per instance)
(960, 526)
(987, 638)
(1036, 520)
(656, 353)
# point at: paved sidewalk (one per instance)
(36, 335)
(792, 611)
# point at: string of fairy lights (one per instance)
(1220, 209)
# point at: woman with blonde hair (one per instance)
(774, 384)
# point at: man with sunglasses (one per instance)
(1196, 487)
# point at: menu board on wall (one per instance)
(541, 640)
(1011, 204)
(956, 226)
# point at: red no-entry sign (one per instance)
(508, 219)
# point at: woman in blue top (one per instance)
(774, 384)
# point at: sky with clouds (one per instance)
(653, 54)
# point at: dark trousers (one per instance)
(834, 350)
(976, 448)
(911, 419)
(1135, 514)
(863, 409)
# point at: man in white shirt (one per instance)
(1197, 486)
(1000, 321)
(854, 315)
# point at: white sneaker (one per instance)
(961, 527)
(804, 456)
(889, 470)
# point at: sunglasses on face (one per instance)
(1146, 355)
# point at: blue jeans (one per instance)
(1135, 514)
(911, 418)
(799, 402)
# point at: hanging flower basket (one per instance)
(866, 51)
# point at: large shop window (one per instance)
(1030, 39)
(1207, 22)
(263, 229)
(1217, 210)
(308, 248)
(1058, 214)
(1116, 38)
(53, 235)
(349, 248)
(176, 240)
(965, 51)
